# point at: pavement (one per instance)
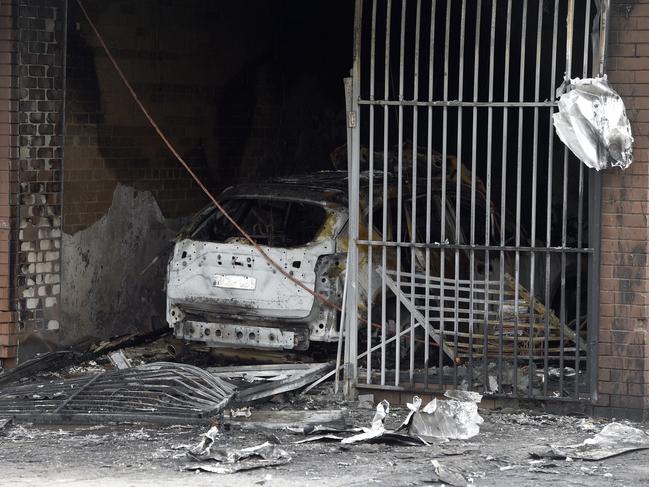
(130, 454)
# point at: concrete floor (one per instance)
(146, 455)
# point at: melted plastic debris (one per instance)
(592, 122)
(448, 475)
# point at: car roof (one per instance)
(325, 187)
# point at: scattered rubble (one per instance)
(289, 419)
(447, 475)
(614, 439)
(119, 360)
(263, 381)
(454, 418)
(158, 453)
(230, 460)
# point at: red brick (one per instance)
(7, 319)
(8, 363)
(8, 351)
(627, 402)
(9, 340)
(613, 388)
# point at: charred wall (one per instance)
(37, 192)
(243, 90)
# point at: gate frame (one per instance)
(599, 38)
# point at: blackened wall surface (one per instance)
(243, 89)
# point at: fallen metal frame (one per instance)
(376, 21)
(286, 378)
(491, 319)
(159, 392)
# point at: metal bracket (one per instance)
(351, 120)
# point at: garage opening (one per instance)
(244, 90)
(479, 266)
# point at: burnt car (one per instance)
(222, 293)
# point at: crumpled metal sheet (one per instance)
(230, 460)
(592, 122)
(454, 419)
(378, 433)
(614, 439)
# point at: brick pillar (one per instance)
(8, 175)
(40, 89)
(624, 324)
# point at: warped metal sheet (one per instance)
(271, 380)
(160, 392)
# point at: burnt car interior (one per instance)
(271, 222)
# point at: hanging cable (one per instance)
(193, 175)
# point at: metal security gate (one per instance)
(476, 230)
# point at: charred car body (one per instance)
(223, 293)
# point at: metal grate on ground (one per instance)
(160, 392)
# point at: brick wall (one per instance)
(40, 93)
(624, 294)
(8, 174)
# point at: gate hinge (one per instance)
(351, 120)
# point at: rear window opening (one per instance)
(275, 223)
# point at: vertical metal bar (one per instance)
(519, 168)
(458, 189)
(594, 215)
(474, 141)
(370, 202)
(348, 86)
(413, 217)
(604, 13)
(397, 367)
(341, 331)
(429, 155)
(535, 157)
(548, 217)
(580, 212)
(564, 214)
(352, 299)
(442, 259)
(503, 192)
(63, 123)
(488, 208)
(386, 201)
